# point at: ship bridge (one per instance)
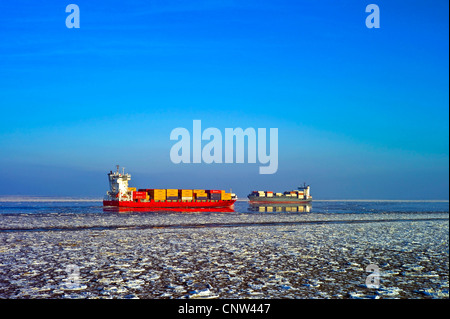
(118, 185)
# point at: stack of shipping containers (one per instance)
(139, 195)
(179, 194)
(158, 194)
(172, 194)
(200, 194)
(226, 196)
(185, 194)
(214, 194)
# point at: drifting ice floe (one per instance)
(272, 256)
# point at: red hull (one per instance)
(179, 210)
(166, 204)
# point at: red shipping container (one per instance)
(214, 191)
(139, 195)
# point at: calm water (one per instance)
(240, 207)
(79, 215)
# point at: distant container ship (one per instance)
(120, 195)
(301, 195)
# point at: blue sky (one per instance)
(361, 113)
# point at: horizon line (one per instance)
(44, 198)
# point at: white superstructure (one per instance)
(306, 191)
(118, 185)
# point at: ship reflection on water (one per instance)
(240, 207)
(280, 208)
(179, 210)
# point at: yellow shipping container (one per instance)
(186, 193)
(226, 196)
(158, 194)
(131, 189)
(172, 192)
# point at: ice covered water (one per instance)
(244, 254)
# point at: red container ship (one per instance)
(120, 195)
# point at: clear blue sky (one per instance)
(361, 113)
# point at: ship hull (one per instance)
(278, 200)
(171, 204)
